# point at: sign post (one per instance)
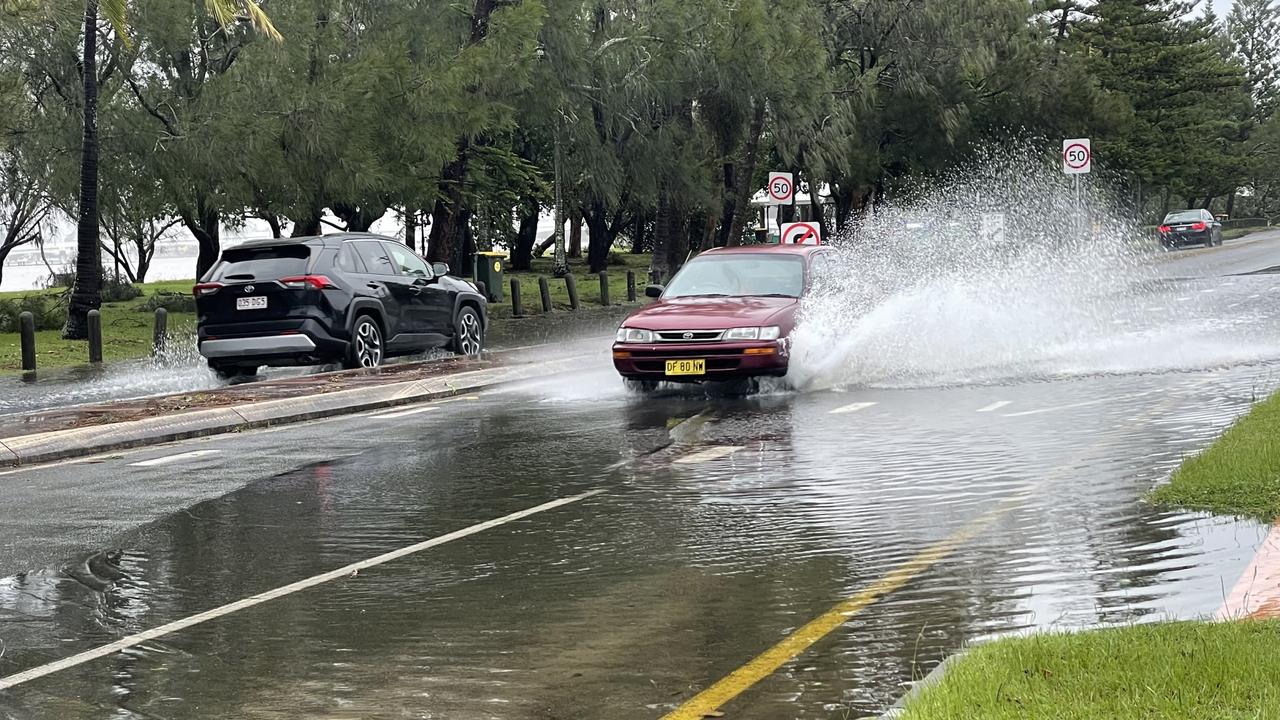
(801, 233)
(1077, 160)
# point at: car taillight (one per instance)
(1199, 226)
(204, 289)
(302, 282)
(1165, 228)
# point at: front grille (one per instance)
(689, 335)
(674, 353)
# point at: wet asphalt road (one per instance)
(722, 525)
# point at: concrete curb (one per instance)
(899, 708)
(79, 442)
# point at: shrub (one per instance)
(119, 290)
(48, 310)
(173, 302)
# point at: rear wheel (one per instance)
(234, 372)
(468, 337)
(365, 349)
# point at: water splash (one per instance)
(926, 292)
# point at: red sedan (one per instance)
(725, 316)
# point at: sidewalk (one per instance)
(66, 432)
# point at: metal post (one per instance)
(631, 286)
(517, 307)
(604, 289)
(27, 324)
(95, 337)
(572, 286)
(161, 333)
(544, 289)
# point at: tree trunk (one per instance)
(450, 216)
(307, 225)
(601, 237)
(202, 222)
(411, 227)
(273, 222)
(575, 235)
(358, 218)
(526, 236)
(86, 294)
(641, 226)
(1231, 205)
(743, 203)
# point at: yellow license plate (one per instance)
(686, 367)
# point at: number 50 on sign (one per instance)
(1077, 156)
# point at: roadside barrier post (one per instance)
(572, 286)
(604, 289)
(517, 307)
(631, 286)
(161, 331)
(27, 325)
(544, 288)
(95, 337)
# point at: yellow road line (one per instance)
(766, 663)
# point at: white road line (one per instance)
(170, 628)
(852, 407)
(1086, 403)
(404, 413)
(710, 453)
(995, 406)
(174, 458)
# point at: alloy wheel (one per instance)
(368, 344)
(470, 333)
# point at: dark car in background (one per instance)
(1190, 227)
(352, 298)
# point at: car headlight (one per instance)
(633, 335)
(753, 333)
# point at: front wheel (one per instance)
(468, 336)
(365, 350)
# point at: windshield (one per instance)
(735, 275)
(1184, 216)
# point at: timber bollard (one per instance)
(517, 307)
(27, 325)
(161, 332)
(544, 289)
(572, 286)
(484, 289)
(631, 286)
(95, 337)
(604, 289)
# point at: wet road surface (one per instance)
(721, 526)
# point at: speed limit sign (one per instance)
(1077, 156)
(781, 188)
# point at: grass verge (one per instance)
(1238, 475)
(127, 326)
(1160, 671)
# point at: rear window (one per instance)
(1184, 216)
(263, 263)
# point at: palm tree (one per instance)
(86, 293)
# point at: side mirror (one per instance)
(654, 291)
(440, 268)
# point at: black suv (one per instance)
(353, 298)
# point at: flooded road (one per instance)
(950, 512)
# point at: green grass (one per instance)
(1154, 672)
(127, 331)
(1239, 474)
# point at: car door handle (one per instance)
(374, 285)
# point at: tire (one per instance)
(234, 372)
(366, 349)
(640, 387)
(468, 334)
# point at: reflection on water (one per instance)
(629, 602)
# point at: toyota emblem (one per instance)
(687, 336)
(248, 289)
